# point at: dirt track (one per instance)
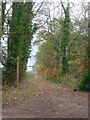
(49, 101)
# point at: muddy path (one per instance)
(48, 101)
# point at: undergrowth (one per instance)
(24, 89)
(65, 81)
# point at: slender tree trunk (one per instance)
(88, 51)
(65, 40)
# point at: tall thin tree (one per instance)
(65, 39)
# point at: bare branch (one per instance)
(8, 11)
(39, 7)
(63, 6)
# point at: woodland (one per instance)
(63, 50)
(58, 85)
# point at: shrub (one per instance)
(84, 85)
(68, 81)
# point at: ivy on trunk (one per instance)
(19, 40)
(65, 40)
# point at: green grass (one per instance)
(30, 75)
(52, 79)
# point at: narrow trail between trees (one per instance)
(48, 101)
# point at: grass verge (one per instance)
(24, 89)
